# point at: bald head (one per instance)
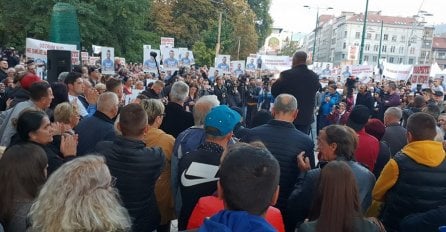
(285, 104)
(108, 104)
(299, 58)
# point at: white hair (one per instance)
(202, 107)
(179, 91)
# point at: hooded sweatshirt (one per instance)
(235, 221)
(427, 152)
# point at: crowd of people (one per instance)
(219, 152)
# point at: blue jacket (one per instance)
(326, 107)
(234, 221)
(92, 130)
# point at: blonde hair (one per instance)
(153, 108)
(79, 197)
(64, 112)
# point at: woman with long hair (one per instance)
(155, 137)
(336, 206)
(34, 126)
(22, 173)
(79, 196)
(191, 98)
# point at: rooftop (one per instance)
(439, 42)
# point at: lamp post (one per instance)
(313, 56)
(364, 27)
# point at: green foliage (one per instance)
(203, 54)
(264, 22)
(290, 48)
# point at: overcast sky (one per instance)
(291, 15)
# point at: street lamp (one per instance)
(361, 51)
(313, 56)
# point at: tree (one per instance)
(263, 19)
(203, 54)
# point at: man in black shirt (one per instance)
(198, 170)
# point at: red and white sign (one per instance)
(167, 42)
(420, 74)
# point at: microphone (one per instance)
(153, 54)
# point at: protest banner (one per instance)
(275, 63)
(170, 58)
(84, 58)
(420, 74)
(186, 57)
(94, 60)
(222, 62)
(75, 58)
(396, 72)
(237, 67)
(149, 64)
(37, 49)
(107, 60)
(167, 42)
(96, 49)
(353, 53)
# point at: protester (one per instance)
(204, 161)
(336, 206)
(422, 160)
(101, 124)
(284, 141)
(246, 191)
(128, 157)
(376, 128)
(177, 119)
(335, 142)
(22, 173)
(155, 90)
(303, 84)
(67, 116)
(85, 106)
(79, 196)
(34, 127)
(395, 135)
(158, 138)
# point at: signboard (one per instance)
(84, 57)
(108, 60)
(37, 49)
(420, 74)
(396, 72)
(353, 52)
(167, 42)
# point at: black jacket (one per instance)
(136, 169)
(419, 188)
(151, 94)
(365, 99)
(303, 84)
(176, 120)
(222, 94)
(285, 142)
(395, 137)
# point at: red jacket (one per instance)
(210, 205)
(367, 150)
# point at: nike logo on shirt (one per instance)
(205, 172)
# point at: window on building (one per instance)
(411, 61)
(366, 58)
(391, 59)
(344, 45)
(377, 36)
(356, 44)
(400, 60)
(386, 37)
(384, 48)
(393, 38)
(343, 56)
(375, 58)
(403, 38)
(423, 53)
(392, 49)
(401, 50)
(441, 55)
(412, 50)
(369, 35)
(376, 47)
(367, 47)
(345, 34)
(357, 35)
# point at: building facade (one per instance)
(403, 40)
(439, 51)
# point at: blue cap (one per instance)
(223, 119)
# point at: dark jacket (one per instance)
(383, 158)
(92, 130)
(395, 137)
(222, 94)
(419, 188)
(365, 99)
(151, 94)
(361, 224)
(136, 169)
(285, 142)
(428, 221)
(300, 201)
(303, 84)
(176, 120)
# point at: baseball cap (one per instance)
(358, 117)
(221, 118)
(438, 93)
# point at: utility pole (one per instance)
(380, 42)
(238, 48)
(313, 56)
(364, 27)
(217, 48)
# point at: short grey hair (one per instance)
(179, 91)
(285, 103)
(202, 107)
(107, 101)
(395, 112)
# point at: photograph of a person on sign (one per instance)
(224, 63)
(187, 59)
(171, 62)
(251, 66)
(149, 63)
(108, 56)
